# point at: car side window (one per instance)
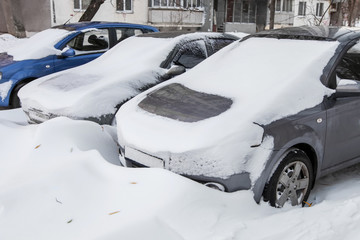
(123, 33)
(349, 67)
(191, 54)
(91, 41)
(218, 43)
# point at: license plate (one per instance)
(143, 158)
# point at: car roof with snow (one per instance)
(174, 34)
(321, 33)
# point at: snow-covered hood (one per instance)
(266, 79)
(94, 89)
(39, 46)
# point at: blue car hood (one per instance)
(5, 59)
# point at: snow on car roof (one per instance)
(38, 46)
(325, 33)
(267, 79)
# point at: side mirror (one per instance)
(347, 88)
(67, 52)
(174, 71)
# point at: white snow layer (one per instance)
(56, 182)
(267, 79)
(238, 34)
(4, 89)
(96, 88)
(8, 41)
(38, 46)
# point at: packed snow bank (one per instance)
(13, 115)
(38, 46)
(62, 186)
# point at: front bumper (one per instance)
(133, 158)
(38, 116)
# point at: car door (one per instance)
(343, 117)
(124, 32)
(87, 45)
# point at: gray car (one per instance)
(273, 121)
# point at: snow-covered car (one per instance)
(58, 48)
(271, 113)
(96, 90)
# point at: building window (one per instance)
(124, 5)
(81, 5)
(243, 11)
(287, 6)
(176, 3)
(302, 9)
(278, 5)
(319, 9)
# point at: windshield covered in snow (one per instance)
(181, 103)
(40, 45)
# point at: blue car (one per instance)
(58, 48)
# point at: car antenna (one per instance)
(71, 16)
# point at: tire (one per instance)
(291, 181)
(15, 101)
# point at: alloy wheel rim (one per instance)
(293, 184)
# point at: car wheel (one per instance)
(15, 101)
(291, 181)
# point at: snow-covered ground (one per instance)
(60, 180)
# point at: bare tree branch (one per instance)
(91, 10)
(327, 9)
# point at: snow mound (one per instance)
(60, 185)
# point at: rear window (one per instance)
(178, 102)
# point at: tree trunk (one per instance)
(349, 17)
(13, 18)
(355, 12)
(91, 10)
(272, 14)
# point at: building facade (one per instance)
(164, 14)
(34, 14)
(301, 12)
(239, 15)
(200, 15)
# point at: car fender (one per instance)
(18, 78)
(301, 136)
